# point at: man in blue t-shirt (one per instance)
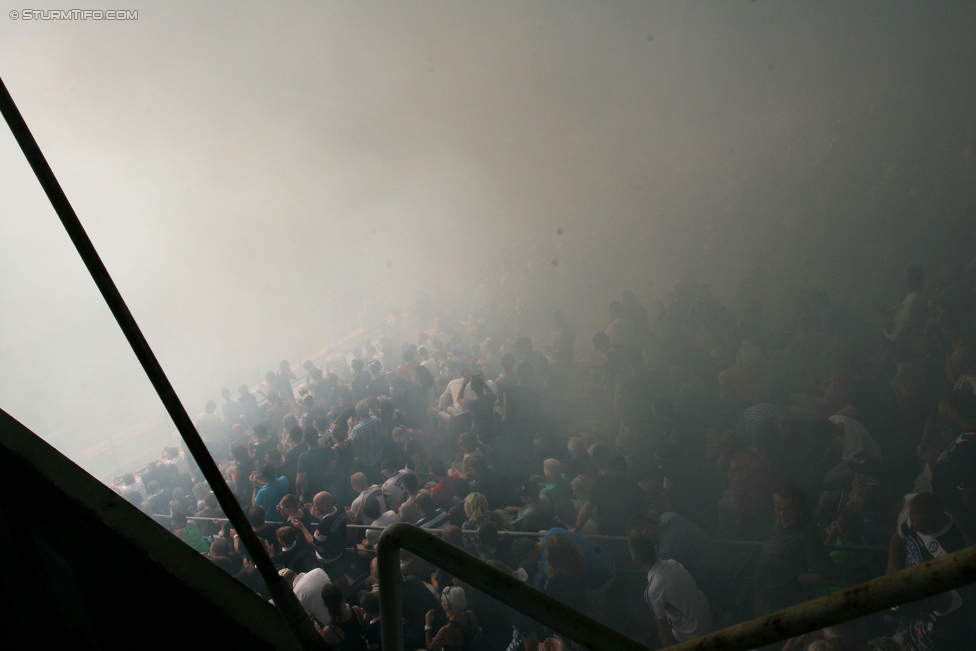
(271, 489)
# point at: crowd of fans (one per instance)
(745, 467)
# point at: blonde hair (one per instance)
(582, 485)
(475, 506)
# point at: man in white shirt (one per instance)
(456, 388)
(910, 316)
(680, 609)
(307, 586)
(211, 429)
(361, 485)
(856, 445)
(393, 489)
(371, 509)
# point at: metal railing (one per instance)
(918, 582)
(934, 577)
(537, 605)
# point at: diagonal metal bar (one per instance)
(925, 580)
(284, 598)
(537, 605)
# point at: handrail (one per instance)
(537, 605)
(624, 539)
(934, 577)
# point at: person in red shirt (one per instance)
(442, 490)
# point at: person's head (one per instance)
(220, 547)
(255, 516)
(642, 550)
(790, 504)
(225, 394)
(453, 600)
(370, 603)
(362, 410)
(371, 508)
(851, 525)
(468, 442)
(323, 503)
(553, 470)
(437, 468)
(475, 506)
(289, 506)
(286, 536)
(576, 447)
(268, 473)
(296, 434)
(926, 514)
(525, 549)
(333, 599)
(488, 535)
(375, 367)
(616, 464)
(424, 502)
(359, 482)
(601, 456)
(311, 435)
(461, 488)
(563, 557)
(451, 533)
(478, 384)
(508, 363)
(177, 520)
(410, 483)
(210, 407)
(581, 486)
(274, 457)
(601, 342)
(479, 466)
(357, 365)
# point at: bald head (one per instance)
(323, 503)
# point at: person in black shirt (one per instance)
(616, 498)
(315, 466)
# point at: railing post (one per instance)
(388, 575)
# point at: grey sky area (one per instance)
(251, 171)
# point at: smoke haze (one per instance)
(249, 172)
